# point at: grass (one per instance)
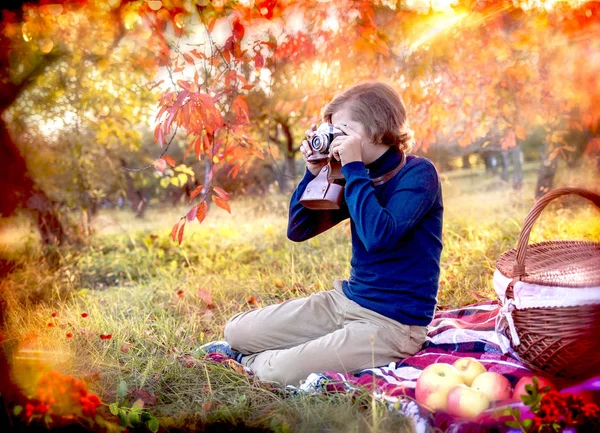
(137, 285)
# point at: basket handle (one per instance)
(534, 213)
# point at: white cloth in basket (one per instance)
(528, 295)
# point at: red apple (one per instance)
(469, 369)
(466, 402)
(494, 385)
(434, 383)
(528, 380)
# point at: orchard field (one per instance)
(159, 301)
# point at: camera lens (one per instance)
(317, 142)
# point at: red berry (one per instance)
(93, 399)
(84, 315)
(69, 335)
(51, 324)
(54, 314)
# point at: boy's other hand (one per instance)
(306, 150)
(346, 148)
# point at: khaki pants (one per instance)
(327, 331)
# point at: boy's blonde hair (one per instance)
(379, 108)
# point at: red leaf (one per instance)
(211, 25)
(238, 30)
(180, 234)
(221, 203)
(206, 297)
(259, 61)
(202, 211)
(160, 165)
(197, 147)
(191, 216)
(174, 231)
(189, 58)
(234, 171)
(169, 160)
(189, 148)
(125, 347)
(241, 109)
(221, 193)
(195, 192)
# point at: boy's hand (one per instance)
(306, 150)
(346, 148)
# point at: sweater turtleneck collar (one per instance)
(385, 163)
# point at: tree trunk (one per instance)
(516, 158)
(466, 163)
(546, 174)
(289, 169)
(20, 191)
(134, 196)
(504, 159)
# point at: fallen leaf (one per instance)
(206, 297)
(143, 398)
(190, 361)
(125, 347)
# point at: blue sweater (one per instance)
(396, 234)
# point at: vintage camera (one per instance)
(321, 141)
(325, 191)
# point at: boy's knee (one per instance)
(235, 334)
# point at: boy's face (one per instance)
(370, 152)
(344, 115)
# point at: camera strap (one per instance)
(380, 180)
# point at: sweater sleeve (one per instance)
(304, 223)
(380, 227)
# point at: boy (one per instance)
(394, 202)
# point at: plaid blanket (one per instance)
(453, 334)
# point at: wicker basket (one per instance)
(560, 340)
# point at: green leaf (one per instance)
(513, 424)
(114, 408)
(152, 425)
(123, 418)
(17, 410)
(122, 390)
(48, 419)
(527, 422)
(134, 419)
